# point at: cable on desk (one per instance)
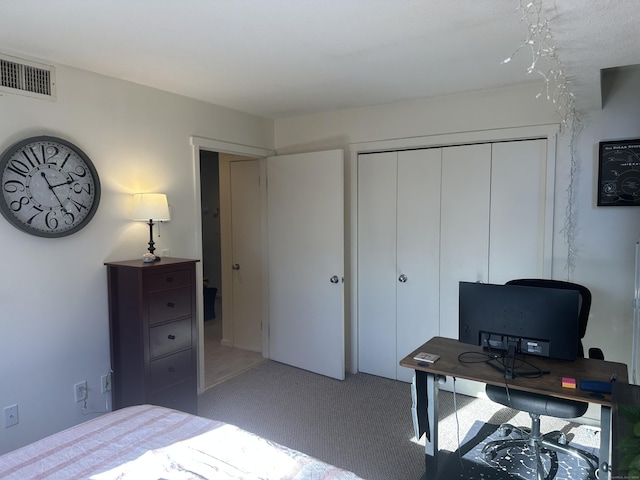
(501, 359)
(476, 357)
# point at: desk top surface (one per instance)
(551, 384)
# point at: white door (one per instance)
(518, 205)
(305, 228)
(246, 254)
(464, 241)
(377, 200)
(418, 252)
(398, 257)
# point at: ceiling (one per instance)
(279, 58)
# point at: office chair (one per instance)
(537, 404)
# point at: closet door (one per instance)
(518, 226)
(398, 247)
(417, 258)
(431, 218)
(464, 235)
(377, 190)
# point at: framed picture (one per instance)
(619, 173)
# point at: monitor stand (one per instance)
(508, 365)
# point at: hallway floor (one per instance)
(222, 363)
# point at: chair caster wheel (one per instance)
(490, 454)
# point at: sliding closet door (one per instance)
(417, 258)
(464, 235)
(377, 197)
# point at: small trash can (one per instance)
(210, 302)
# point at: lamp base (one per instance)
(151, 256)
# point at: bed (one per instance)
(150, 442)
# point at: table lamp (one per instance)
(149, 207)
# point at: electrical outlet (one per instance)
(10, 415)
(105, 381)
(165, 252)
(80, 391)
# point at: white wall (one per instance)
(53, 293)
(604, 237)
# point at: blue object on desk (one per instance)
(595, 386)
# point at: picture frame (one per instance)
(619, 173)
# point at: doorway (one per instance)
(231, 240)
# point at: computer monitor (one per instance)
(532, 320)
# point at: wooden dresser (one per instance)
(152, 323)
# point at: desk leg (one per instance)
(431, 444)
(605, 439)
(426, 418)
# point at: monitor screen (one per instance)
(533, 320)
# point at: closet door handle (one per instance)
(403, 278)
(236, 266)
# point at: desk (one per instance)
(427, 376)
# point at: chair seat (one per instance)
(536, 403)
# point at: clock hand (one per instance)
(51, 187)
(53, 191)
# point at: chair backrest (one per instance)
(583, 309)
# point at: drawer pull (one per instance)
(171, 337)
(170, 279)
(171, 304)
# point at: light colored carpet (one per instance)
(362, 424)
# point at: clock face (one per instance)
(50, 188)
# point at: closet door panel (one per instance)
(464, 242)
(377, 175)
(517, 224)
(418, 242)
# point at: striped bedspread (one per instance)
(149, 442)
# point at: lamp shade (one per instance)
(150, 206)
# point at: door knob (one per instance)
(334, 279)
(236, 266)
(402, 278)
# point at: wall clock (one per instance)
(50, 188)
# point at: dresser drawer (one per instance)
(169, 370)
(167, 280)
(169, 338)
(169, 304)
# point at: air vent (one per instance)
(27, 78)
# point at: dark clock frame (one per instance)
(5, 208)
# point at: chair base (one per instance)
(538, 443)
